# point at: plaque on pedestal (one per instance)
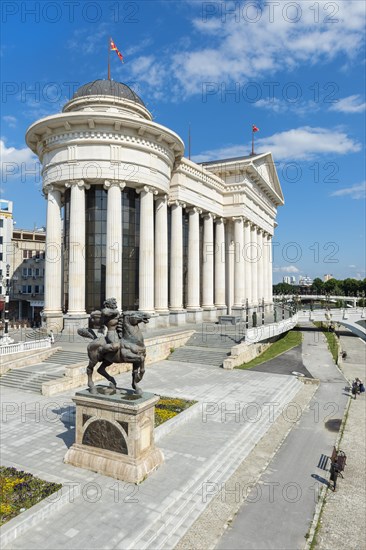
(115, 434)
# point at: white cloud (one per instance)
(10, 120)
(282, 106)
(237, 48)
(357, 191)
(286, 269)
(350, 104)
(304, 143)
(18, 163)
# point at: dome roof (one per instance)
(108, 88)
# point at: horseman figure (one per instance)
(117, 338)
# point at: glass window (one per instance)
(131, 249)
(95, 253)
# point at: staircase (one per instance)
(63, 357)
(31, 378)
(208, 348)
(26, 380)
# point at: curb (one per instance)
(37, 513)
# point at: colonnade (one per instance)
(160, 288)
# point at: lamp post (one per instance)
(6, 338)
(262, 311)
(246, 314)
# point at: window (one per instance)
(24, 271)
(1, 240)
(29, 272)
(1, 256)
(36, 272)
(1, 223)
(36, 289)
(1, 290)
(24, 289)
(29, 289)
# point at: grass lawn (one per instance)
(20, 490)
(332, 340)
(168, 407)
(288, 341)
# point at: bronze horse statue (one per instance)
(129, 349)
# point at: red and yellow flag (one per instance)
(114, 48)
(255, 129)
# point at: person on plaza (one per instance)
(51, 337)
(355, 388)
(360, 384)
(334, 471)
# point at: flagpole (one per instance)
(109, 59)
(252, 141)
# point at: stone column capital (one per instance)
(219, 219)
(50, 187)
(110, 183)
(147, 189)
(162, 198)
(208, 216)
(193, 210)
(237, 218)
(81, 184)
(177, 203)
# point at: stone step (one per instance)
(198, 355)
(25, 380)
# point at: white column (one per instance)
(208, 263)
(161, 254)
(270, 269)
(220, 300)
(260, 266)
(239, 262)
(146, 258)
(77, 248)
(254, 263)
(176, 257)
(247, 263)
(53, 259)
(193, 299)
(113, 286)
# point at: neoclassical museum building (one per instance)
(128, 216)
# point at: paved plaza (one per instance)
(203, 455)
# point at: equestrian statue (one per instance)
(117, 338)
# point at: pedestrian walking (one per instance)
(51, 337)
(334, 471)
(355, 389)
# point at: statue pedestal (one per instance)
(115, 434)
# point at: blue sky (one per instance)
(294, 69)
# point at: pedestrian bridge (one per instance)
(320, 297)
(352, 319)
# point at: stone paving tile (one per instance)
(194, 453)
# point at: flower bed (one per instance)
(20, 490)
(168, 407)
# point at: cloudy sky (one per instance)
(294, 69)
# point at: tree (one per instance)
(317, 286)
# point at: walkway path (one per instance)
(278, 512)
(343, 516)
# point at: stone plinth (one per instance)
(115, 434)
